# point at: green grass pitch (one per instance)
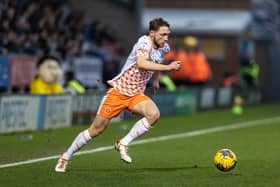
(185, 161)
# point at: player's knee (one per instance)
(153, 116)
(156, 115)
(96, 130)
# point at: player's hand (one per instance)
(175, 65)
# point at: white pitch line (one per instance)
(229, 127)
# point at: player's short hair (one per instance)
(156, 23)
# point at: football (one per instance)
(225, 160)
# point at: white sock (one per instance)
(139, 128)
(82, 139)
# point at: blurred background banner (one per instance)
(57, 112)
(22, 69)
(207, 98)
(88, 71)
(166, 102)
(30, 112)
(186, 102)
(224, 97)
(85, 106)
(4, 72)
(18, 113)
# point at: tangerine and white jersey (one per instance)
(133, 80)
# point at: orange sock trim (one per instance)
(78, 146)
(142, 122)
(84, 136)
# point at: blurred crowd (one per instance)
(195, 69)
(52, 27)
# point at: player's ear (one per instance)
(152, 33)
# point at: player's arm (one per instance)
(156, 77)
(143, 63)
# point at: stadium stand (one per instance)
(39, 28)
(51, 27)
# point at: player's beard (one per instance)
(156, 44)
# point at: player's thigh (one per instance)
(100, 122)
(147, 108)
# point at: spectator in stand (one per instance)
(249, 72)
(53, 28)
(72, 85)
(200, 72)
(179, 77)
(230, 80)
(195, 69)
(166, 82)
